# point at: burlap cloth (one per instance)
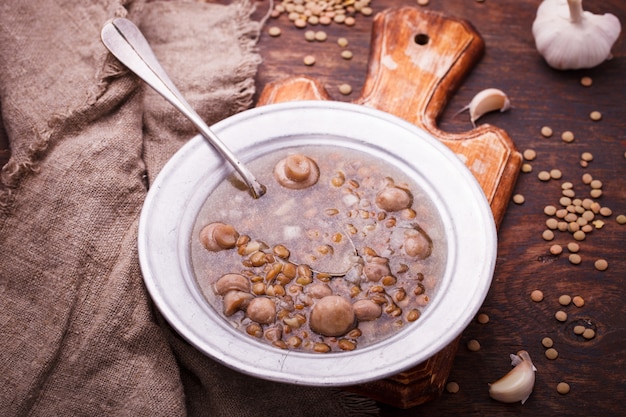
(78, 333)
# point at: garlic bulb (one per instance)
(570, 38)
(518, 384)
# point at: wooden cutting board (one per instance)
(417, 60)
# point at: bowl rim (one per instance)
(173, 199)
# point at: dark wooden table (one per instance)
(540, 96)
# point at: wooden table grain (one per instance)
(540, 96)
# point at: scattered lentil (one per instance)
(473, 345)
(578, 301)
(309, 35)
(595, 116)
(575, 258)
(346, 54)
(526, 168)
(423, 2)
(547, 235)
(579, 235)
(529, 154)
(621, 219)
(589, 334)
(536, 296)
(452, 387)
(560, 315)
(274, 31)
(345, 89)
(549, 210)
(565, 300)
(562, 388)
(343, 42)
(552, 354)
(518, 199)
(483, 318)
(586, 81)
(544, 176)
(567, 136)
(601, 264)
(546, 131)
(547, 342)
(309, 60)
(579, 329)
(555, 174)
(320, 36)
(586, 156)
(552, 223)
(587, 178)
(556, 249)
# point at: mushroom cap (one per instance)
(393, 198)
(261, 310)
(296, 172)
(376, 268)
(218, 236)
(367, 310)
(229, 282)
(332, 315)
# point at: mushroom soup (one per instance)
(342, 251)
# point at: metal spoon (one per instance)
(127, 44)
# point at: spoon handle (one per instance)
(126, 42)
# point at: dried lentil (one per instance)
(452, 387)
(552, 223)
(423, 2)
(549, 210)
(565, 300)
(473, 345)
(586, 156)
(601, 264)
(556, 249)
(546, 131)
(343, 42)
(560, 315)
(345, 89)
(562, 388)
(547, 342)
(621, 219)
(578, 301)
(529, 154)
(274, 31)
(575, 259)
(595, 116)
(567, 136)
(579, 329)
(483, 318)
(555, 174)
(547, 235)
(346, 54)
(536, 296)
(586, 81)
(309, 60)
(552, 353)
(320, 36)
(518, 199)
(589, 334)
(543, 176)
(309, 35)
(526, 168)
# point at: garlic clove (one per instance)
(517, 385)
(488, 100)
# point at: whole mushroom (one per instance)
(332, 316)
(218, 236)
(296, 172)
(261, 310)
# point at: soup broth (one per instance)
(332, 263)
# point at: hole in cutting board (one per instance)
(421, 39)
